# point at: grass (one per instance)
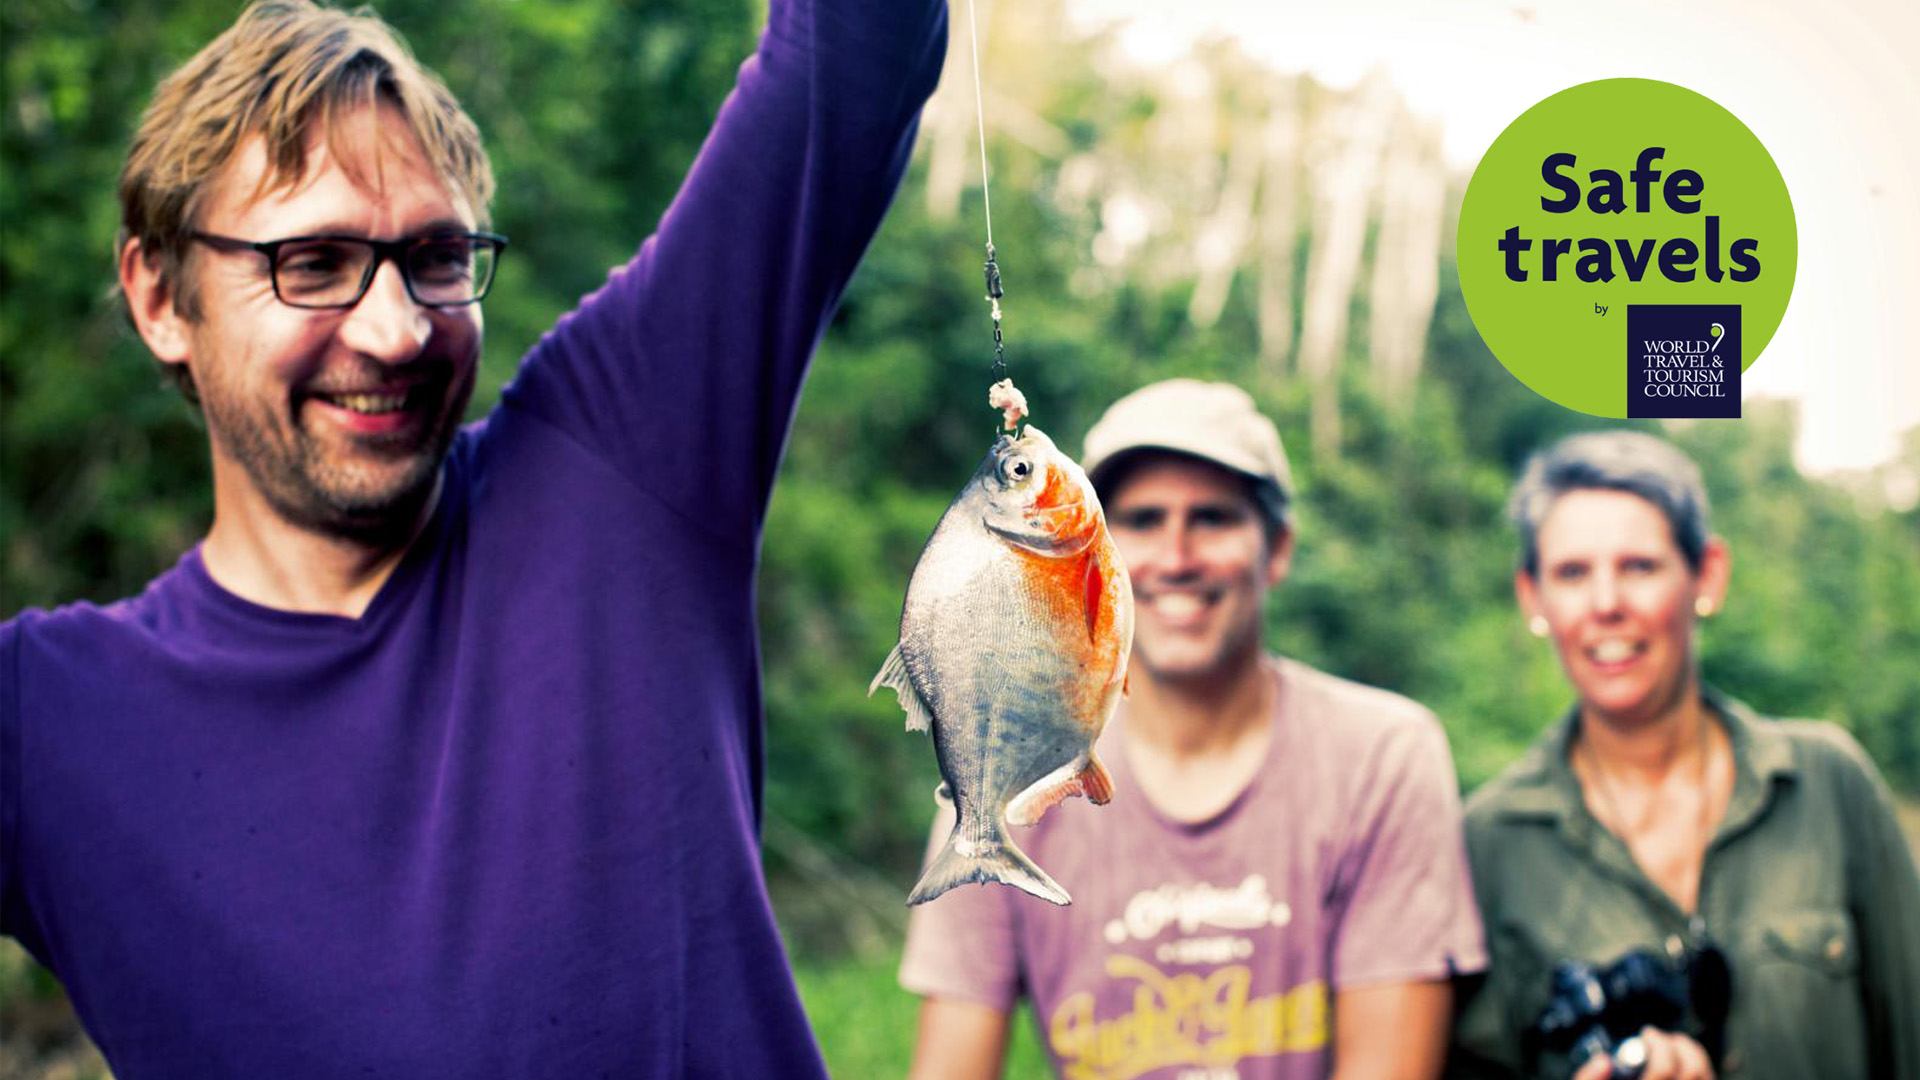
(866, 1023)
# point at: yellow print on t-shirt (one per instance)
(1186, 1019)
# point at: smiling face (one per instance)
(1201, 563)
(1618, 598)
(336, 421)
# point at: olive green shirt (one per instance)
(1808, 888)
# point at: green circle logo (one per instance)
(1627, 248)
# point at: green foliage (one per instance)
(865, 1024)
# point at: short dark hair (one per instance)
(1629, 461)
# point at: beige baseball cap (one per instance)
(1217, 422)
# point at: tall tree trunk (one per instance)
(1344, 174)
(1279, 224)
(1406, 265)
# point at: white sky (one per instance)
(1832, 90)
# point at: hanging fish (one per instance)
(1013, 653)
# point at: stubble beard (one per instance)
(306, 483)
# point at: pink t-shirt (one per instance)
(1211, 951)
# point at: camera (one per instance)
(1601, 1010)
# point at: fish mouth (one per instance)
(1034, 515)
(1056, 510)
(1054, 529)
(1035, 532)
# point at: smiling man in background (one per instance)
(440, 755)
(1279, 887)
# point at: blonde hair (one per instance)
(283, 70)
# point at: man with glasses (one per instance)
(440, 754)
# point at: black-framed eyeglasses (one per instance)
(442, 269)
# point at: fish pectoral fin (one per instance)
(893, 673)
(1081, 776)
(1096, 783)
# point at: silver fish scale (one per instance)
(996, 656)
(983, 652)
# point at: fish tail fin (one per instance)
(970, 857)
(1084, 775)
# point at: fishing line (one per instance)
(980, 115)
(992, 269)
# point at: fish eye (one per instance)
(1015, 469)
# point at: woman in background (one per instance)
(1759, 861)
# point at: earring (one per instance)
(1703, 607)
(1538, 625)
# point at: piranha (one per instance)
(1013, 653)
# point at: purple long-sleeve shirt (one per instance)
(505, 822)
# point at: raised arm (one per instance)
(683, 370)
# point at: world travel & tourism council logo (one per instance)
(1683, 360)
(1621, 220)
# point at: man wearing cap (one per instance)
(1279, 887)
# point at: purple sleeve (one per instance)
(684, 369)
(961, 943)
(1409, 913)
(9, 767)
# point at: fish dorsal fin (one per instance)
(893, 673)
(1081, 776)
